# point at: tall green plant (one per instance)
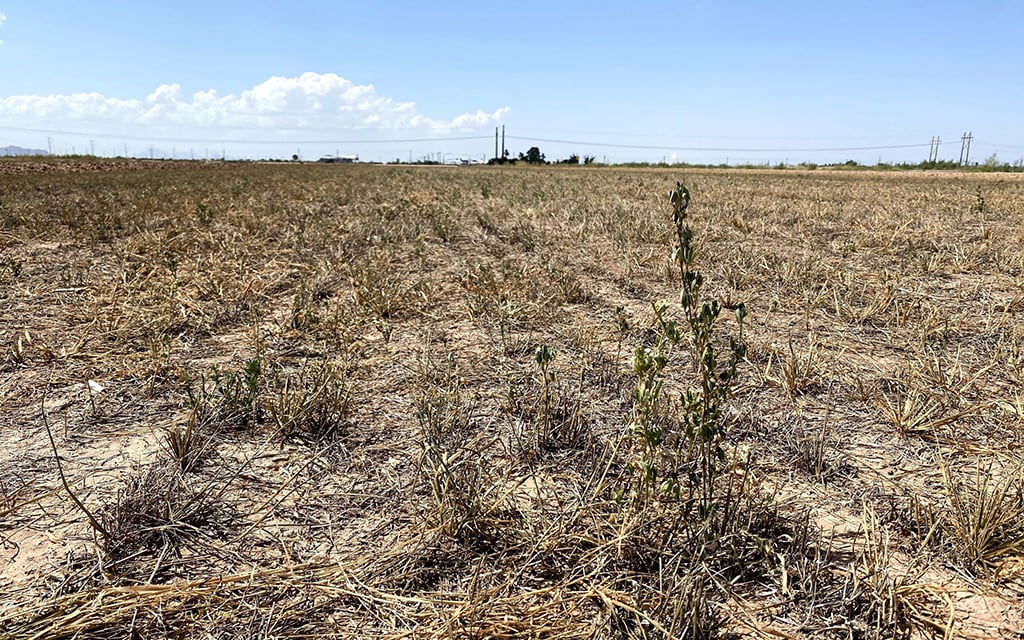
(686, 462)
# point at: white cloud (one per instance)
(277, 107)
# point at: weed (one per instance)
(916, 412)
(8, 500)
(978, 207)
(124, 276)
(506, 296)
(445, 225)
(441, 408)
(523, 234)
(799, 372)
(546, 419)
(14, 265)
(450, 459)
(488, 224)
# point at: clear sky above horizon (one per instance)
(697, 81)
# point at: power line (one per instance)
(933, 145)
(719, 149)
(663, 135)
(998, 146)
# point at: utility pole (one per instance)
(92, 148)
(496, 156)
(965, 148)
(49, 146)
(126, 150)
(504, 149)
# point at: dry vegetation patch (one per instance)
(352, 401)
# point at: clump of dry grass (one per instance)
(188, 446)
(157, 509)
(313, 404)
(985, 517)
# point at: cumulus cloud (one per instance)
(312, 101)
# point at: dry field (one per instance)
(346, 401)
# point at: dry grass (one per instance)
(307, 401)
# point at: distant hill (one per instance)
(22, 151)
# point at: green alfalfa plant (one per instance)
(228, 398)
(704, 407)
(544, 356)
(979, 202)
(648, 366)
(686, 465)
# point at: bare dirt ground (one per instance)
(314, 401)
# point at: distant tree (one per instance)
(533, 156)
(588, 159)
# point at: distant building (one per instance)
(345, 159)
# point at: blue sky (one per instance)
(748, 81)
